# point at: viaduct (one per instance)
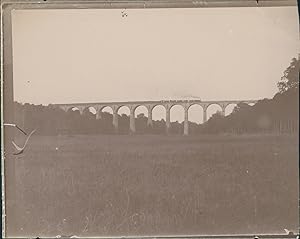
(168, 104)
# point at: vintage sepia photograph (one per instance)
(135, 120)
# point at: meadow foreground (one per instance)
(132, 185)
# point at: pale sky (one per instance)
(67, 56)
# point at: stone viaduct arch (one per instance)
(198, 109)
(167, 104)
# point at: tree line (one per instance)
(277, 115)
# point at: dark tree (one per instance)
(290, 78)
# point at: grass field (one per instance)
(157, 185)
